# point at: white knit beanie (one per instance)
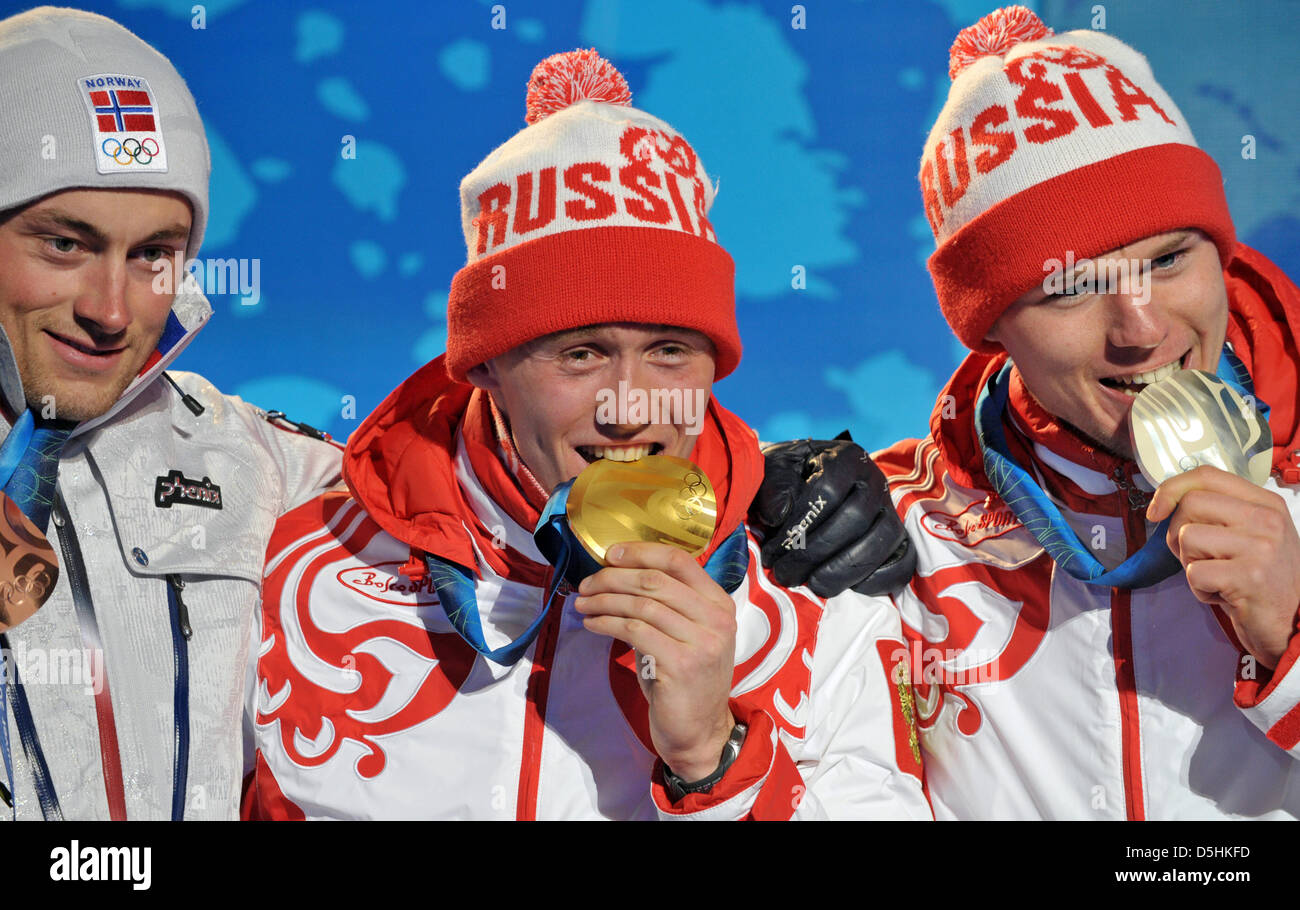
(90, 105)
(1048, 144)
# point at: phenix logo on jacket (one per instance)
(369, 704)
(1079, 700)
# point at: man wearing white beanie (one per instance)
(1085, 644)
(162, 491)
(124, 689)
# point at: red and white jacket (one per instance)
(368, 704)
(1041, 696)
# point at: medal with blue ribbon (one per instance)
(658, 498)
(29, 569)
(29, 462)
(1041, 517)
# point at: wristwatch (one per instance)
(677, 788)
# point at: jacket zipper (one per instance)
(539, 683)
(75, 570)
(1135, 534)
(181, 633)
(180, 613)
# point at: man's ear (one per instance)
(991, 336)
(484, 377)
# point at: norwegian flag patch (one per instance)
(124, 121)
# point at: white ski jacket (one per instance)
(161, 530)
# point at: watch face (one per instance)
(1194, 418)
(660, 498)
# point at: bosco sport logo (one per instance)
(970, 528)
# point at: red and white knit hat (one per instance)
(596, 212)
(1048, 144)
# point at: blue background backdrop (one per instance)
(815, 135)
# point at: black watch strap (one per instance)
(677, 788)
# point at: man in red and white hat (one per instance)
(422, 658)
(1077, 652)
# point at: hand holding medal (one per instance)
(643, 524)
(1210, 452)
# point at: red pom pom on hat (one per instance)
(564, 79)
(994, 35)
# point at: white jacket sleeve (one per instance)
(303, 466)
(308, 466)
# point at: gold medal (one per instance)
(1194, 418)
(660, 498)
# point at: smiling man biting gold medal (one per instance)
(664, 686)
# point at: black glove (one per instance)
(851, 535)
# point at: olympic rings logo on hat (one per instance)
(141, 154)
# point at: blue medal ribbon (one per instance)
(1040, 516)
(15, 444)
(29, 467)
(455, 583)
